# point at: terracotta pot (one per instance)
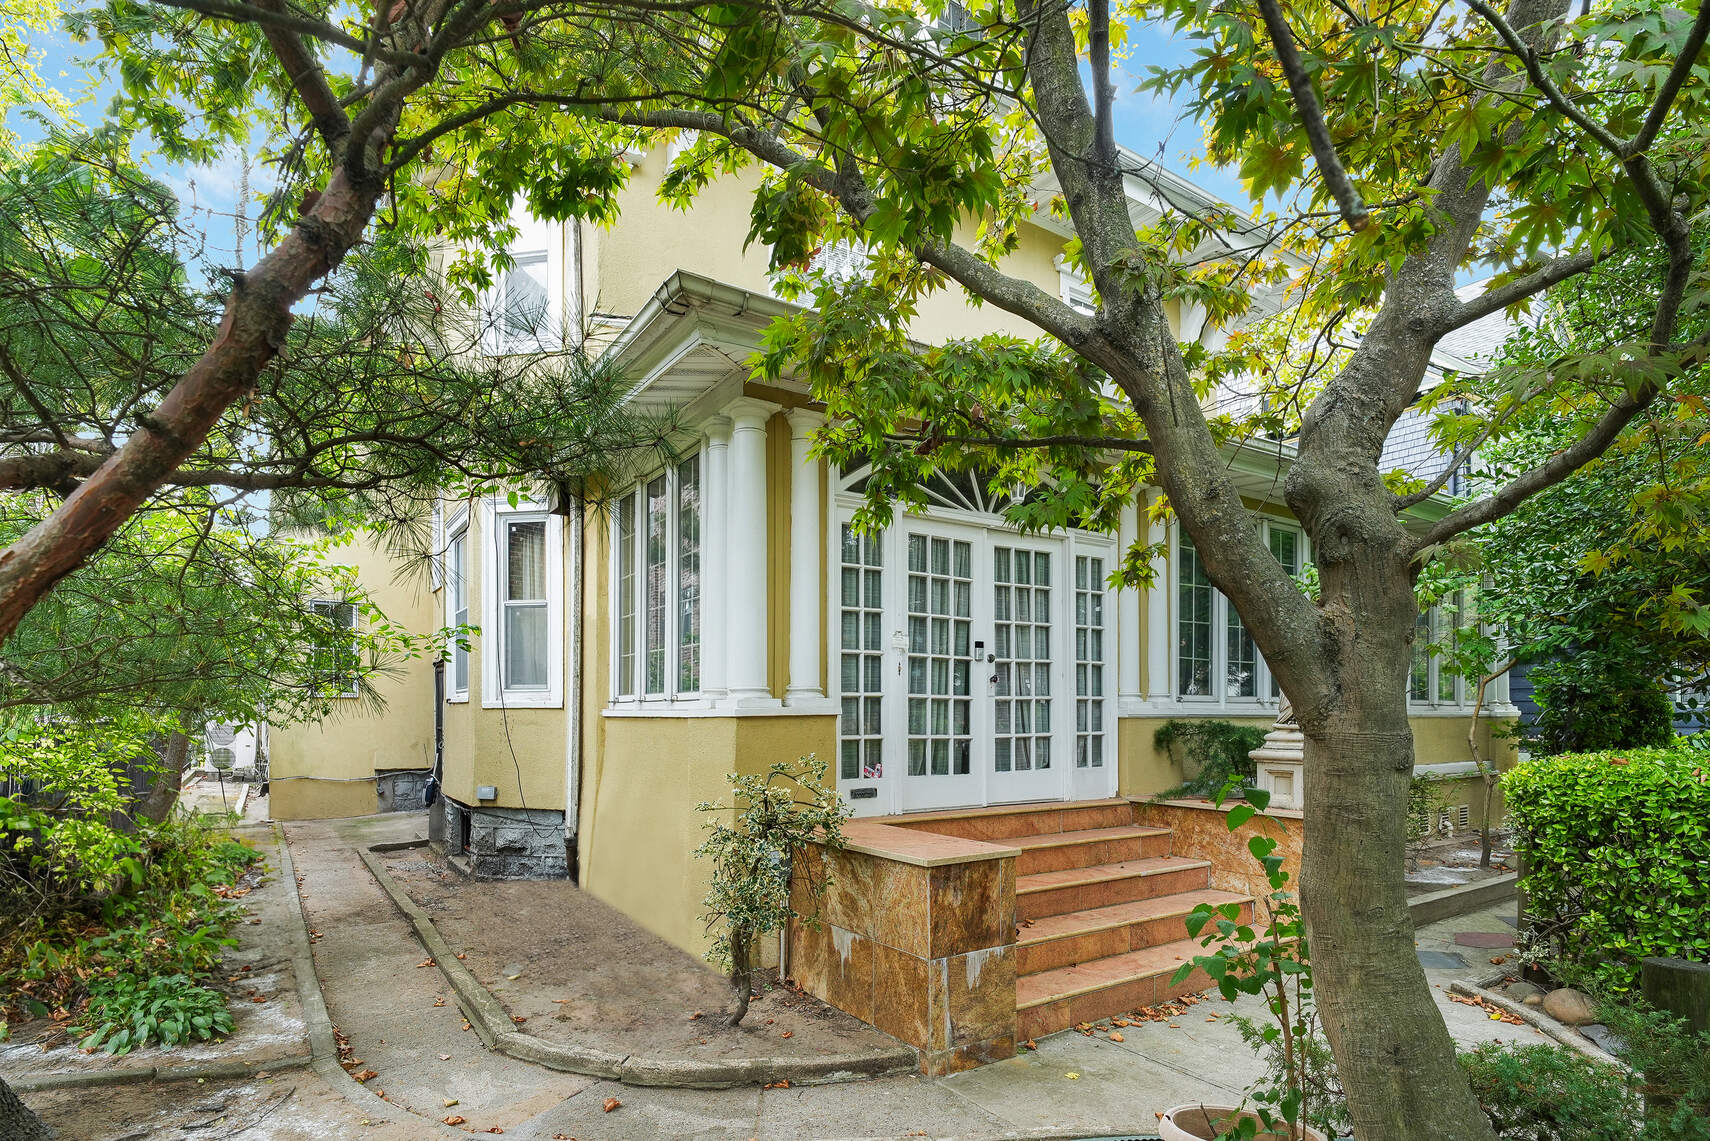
(1204, 1122)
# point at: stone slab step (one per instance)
(1081, 889)
(1058, 999)
(1007, 821)
(1081, 936)
(1087, 847)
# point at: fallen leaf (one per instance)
(445, 1057)
(514, 977)
(424, 963)
(610, 1104)
(461, 955)
(1072, 1076)
(364, 1075)
(453, 1120)
(492, 1129)
(518, 1019)
(788, 1034)
(449, 1102)
(1116, 1036)
(692, 1017)
(259, 998)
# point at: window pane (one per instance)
(626, 595)
(459, 611)
(1419, 668)
(689, 575)
(1285, 545)
(525, 561)
(654, 586)
(525, 645)
(1193, 637)
(524, 318)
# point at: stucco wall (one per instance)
(639, 824)
(326, 770)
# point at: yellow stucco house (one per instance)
(987, 701)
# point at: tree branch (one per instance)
(1500, 297)
(1353, 207)
(306, 76)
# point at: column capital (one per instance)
(717, 429)
(803, 421)
(749, 413)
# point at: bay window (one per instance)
(656, 579)
(1216, 658)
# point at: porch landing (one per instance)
(967, 932)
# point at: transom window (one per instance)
(656, 577)
(1216, 658)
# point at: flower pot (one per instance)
(1204, 1122)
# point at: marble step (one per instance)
(1081, 889)
(1058, 999)
(1082, 936)
(1087, 847)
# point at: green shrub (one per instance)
(1588, 704)
(126, 1013)
(1213, 753)
(1617, 855)
(1550, 1093)
(1675, 1062)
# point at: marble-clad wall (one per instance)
(920, 946)
(1202, 829)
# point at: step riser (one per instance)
(1073, 950)
(1084, 897)
(999, 826)
(1118, 998)
(1113, 851)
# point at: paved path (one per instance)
(375, 990)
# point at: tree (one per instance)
(1528, 138)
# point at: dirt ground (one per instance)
(1438, 864)
(580, 971)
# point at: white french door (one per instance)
(972, 664)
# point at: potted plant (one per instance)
(1268, 957)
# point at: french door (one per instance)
(971, 663)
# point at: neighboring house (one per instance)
(722, 614)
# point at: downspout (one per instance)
(573, 696)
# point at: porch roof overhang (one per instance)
(691, 343)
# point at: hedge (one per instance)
(1617, 857)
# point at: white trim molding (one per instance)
(493, 550)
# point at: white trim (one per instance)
(457, 531)
(535, 237)
(500, 513)
(806, 590)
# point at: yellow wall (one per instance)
(326, 770)
(495, 746)
(622, 266)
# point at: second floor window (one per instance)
(524, 312)
(656, 573)
(336, 664)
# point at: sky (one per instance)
(1146, 123)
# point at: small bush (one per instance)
(1550, 1093)
(126, 1013)
(1675, 1062)
(1213, 753)
(1588, 704)
(1617, 858)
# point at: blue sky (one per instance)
(208, 195)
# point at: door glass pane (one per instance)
(1022, 714)
(938, 655)
(860, 728)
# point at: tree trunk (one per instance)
(18, 1122)
(741, 976)
(163, 794)
(1394, 1053)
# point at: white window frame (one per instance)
(326, 608)
(535, 237)
(457, 535)
(669, 697)
(1433, 702)
(1221, 608)
(495, 694)
(436, 567)
(1074, 289)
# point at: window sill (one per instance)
(457, 699)
(527, 699)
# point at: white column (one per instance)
(1129, 639)
(805, 587)
(715, 542)
(1160, 636)
(745, 563)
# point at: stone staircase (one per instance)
(1101, 907)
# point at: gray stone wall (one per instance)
(508, 843)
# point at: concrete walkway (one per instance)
(379, 994)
